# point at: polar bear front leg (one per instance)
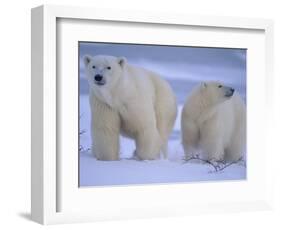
(105, 133)
(212, 148)
(190, 137)
(211, 143)
(148, 144)
(105, 145)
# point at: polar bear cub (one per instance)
(131, 101)
(214, 123)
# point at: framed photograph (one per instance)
(140, 114)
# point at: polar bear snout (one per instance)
(229, 92)
(99, 79)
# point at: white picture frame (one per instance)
(55, 199)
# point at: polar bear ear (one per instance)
(203, 85)
(87, 59)
(122, 61)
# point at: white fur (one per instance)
(214, 125)
(133, 102)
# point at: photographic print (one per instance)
(160, 114)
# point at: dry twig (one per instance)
(217, 165)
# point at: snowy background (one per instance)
(183, 68)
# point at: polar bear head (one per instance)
(103, 72)
(215, 93)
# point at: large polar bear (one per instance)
(131, 101)
(214, 123)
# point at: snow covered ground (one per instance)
(229, 69)
(125, 172)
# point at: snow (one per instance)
(126, 171)
(227, 66)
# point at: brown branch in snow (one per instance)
(217, 165)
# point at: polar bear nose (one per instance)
(98, 77)
(229, 92)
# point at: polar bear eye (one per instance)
(220, 86)
(93, 67)
(108, 67)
